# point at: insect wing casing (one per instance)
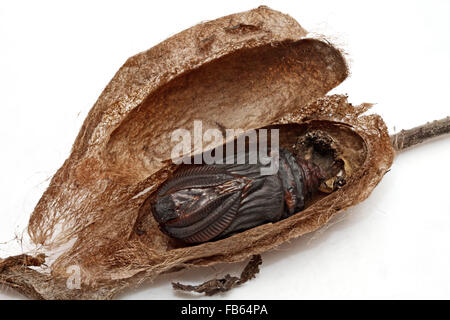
(205, 202)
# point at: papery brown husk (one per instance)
(247, 70)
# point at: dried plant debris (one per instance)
(215, 286)
(408, 138)
(22, 260)
(250, 70)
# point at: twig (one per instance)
(407, 138)
(214, 286)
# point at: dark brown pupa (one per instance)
(248, 70)
(201, 203)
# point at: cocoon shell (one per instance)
(248, 70)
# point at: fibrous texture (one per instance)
(248, 70)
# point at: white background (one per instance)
(56, 57)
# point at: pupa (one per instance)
(203, 203)
(254, 69)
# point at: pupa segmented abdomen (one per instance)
(206, 202)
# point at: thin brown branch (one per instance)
(407, 138)
(214, 286)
